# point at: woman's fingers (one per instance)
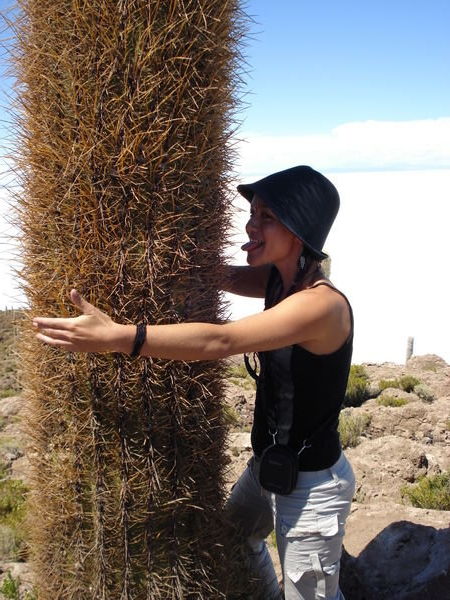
(89, 332)
(76, 339)
(53, 323)
(57, 342)
(57, 334)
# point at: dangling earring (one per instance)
(302, 262)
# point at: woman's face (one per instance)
(270, 241)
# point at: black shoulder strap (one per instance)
(251, 370)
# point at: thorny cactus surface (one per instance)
(125, 113)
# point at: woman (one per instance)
(303, 340)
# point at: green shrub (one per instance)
(386, 400)
(351, 426)
(357, 386)
(405, 383)
(239, 375)
(10, 587)
(12, 513)
(359, 371)
(238, 371)
(12, 496)
(232, 418)
(8, 392)
(408, 383)
(273, 539)
(430, 492)
(383, 384)
(424, 393)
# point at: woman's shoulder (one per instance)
(325, 288)
(336, 325)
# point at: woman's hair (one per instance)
(305, 269)
(307, 266)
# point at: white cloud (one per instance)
(367, 145)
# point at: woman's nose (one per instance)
(251, 224)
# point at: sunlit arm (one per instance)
(296, 319)
(204, 341)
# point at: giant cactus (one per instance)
(125, 114)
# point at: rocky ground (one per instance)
(393, 551)
(13, 466)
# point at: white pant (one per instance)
(309, 526)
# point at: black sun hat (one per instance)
(303, 200)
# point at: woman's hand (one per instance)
(93, 331)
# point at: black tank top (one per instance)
(302, 394)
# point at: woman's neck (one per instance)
(301, 281)
(278, 291)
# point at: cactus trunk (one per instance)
(125, 118)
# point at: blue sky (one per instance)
(316, 65)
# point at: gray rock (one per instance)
(383, 465)
(11, 406)
(240, 440)
(367, 521)
(427, 362)
(20, 469)
(405, 561)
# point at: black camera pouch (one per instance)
(278, 469)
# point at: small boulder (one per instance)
(427, 362)
(10, 407)
(383, 465)
(405, 561)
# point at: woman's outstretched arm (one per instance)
(302, 317)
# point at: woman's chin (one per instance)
(255, 261)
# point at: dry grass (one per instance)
(387, 400)
(357, 390)
(124, 120)
(431, 492)
(351, 426)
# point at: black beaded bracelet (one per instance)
(141, 334)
